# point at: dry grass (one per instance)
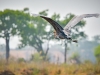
(45, 68)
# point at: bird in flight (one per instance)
(63, 33)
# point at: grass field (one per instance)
(46, 68)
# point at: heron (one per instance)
(64, 33)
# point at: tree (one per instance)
(35, 33)
(11, 23)
(97, 53)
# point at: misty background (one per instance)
(85, 47)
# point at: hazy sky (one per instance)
(62, 7)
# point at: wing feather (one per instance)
(77, 19)
(56, 26)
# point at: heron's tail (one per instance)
(75, 41)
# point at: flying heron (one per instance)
(63, 33)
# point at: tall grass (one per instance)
(46, 68)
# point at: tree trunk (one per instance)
(7, 49)
(45, 58)
(46, 52)
(39, 50)
(65, 55)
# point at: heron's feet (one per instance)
(75, 41)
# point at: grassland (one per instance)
(46, 68)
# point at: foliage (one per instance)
(35, 33)
(97, 53)
(21, 60)
(75, 56)
(36, 57)
(11, 21)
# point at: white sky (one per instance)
(62, 7)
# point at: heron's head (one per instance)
(55, 33)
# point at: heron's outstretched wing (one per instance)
(77, 19)
(55, 25)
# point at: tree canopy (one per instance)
(35, 33)
(12, 22)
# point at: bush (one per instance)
(97, 53)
